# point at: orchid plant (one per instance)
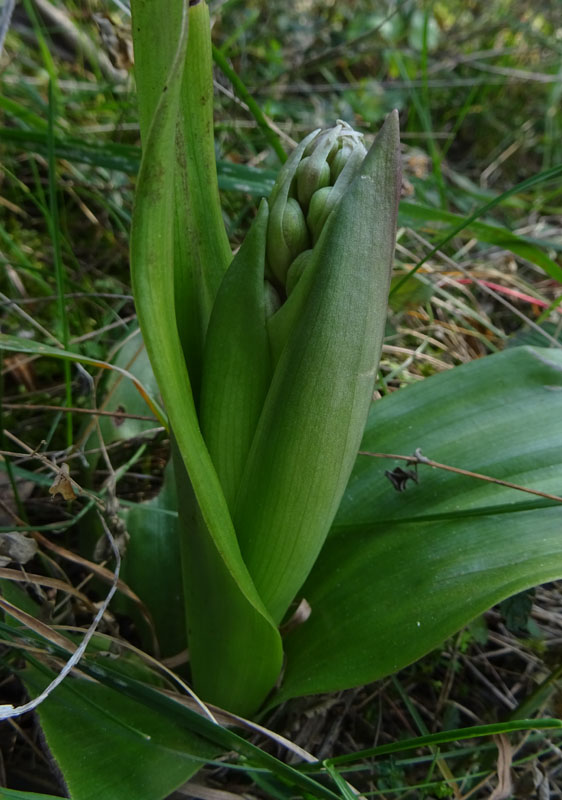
(302, 569)
(266, 364)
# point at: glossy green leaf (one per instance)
(217, 581)
(402, 571)
(237, 363)
(128, 681)
(223, 738)
(235, 649)
(110, 746)
(206, 240)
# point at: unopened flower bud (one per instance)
(311, 176)
(319, 209)
(286, 241)
(296, 270)
(272, 301)
(350, 148)
(307, 190)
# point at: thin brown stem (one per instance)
(74, 410)
(418, 458)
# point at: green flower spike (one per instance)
(301, 402)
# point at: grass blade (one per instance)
(541, 177)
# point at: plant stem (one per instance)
(418, 458)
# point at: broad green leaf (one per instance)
(237, 363)
(201, 252)
(315, 410)
(217, 581)
(222, 738)
(107, 745)
(415, 214)
(235, 649)
(402, 571)
(209, 737)
(154, 541)
(119, 394)
(204, 738)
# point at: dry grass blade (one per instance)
(34, 624)
(8, 711)
(41, 580)
(100, 571)
(195, 789)
(94, 412)
(97, 569)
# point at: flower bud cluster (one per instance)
(307, 190)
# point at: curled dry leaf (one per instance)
(63, 484)
(504, 788)
(301, 614)
(16, 547)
